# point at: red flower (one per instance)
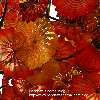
(22, 72)
(90, 21)
(33, 9)
(60, 28)
(64, 49)
(81, 86)
(12, 4)
(49, 71)
(86, 86)
(9, 43)
(8, 94)
(12, 93)
(11, 18)
(94, 77)
(72, 33)
(88, 58)
(1, 10)
(25, 89)
(73, 8)
(6, 70)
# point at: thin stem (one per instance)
(48, 8)
(2, 87)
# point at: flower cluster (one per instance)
(50, 60)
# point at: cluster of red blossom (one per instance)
(43, 58)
